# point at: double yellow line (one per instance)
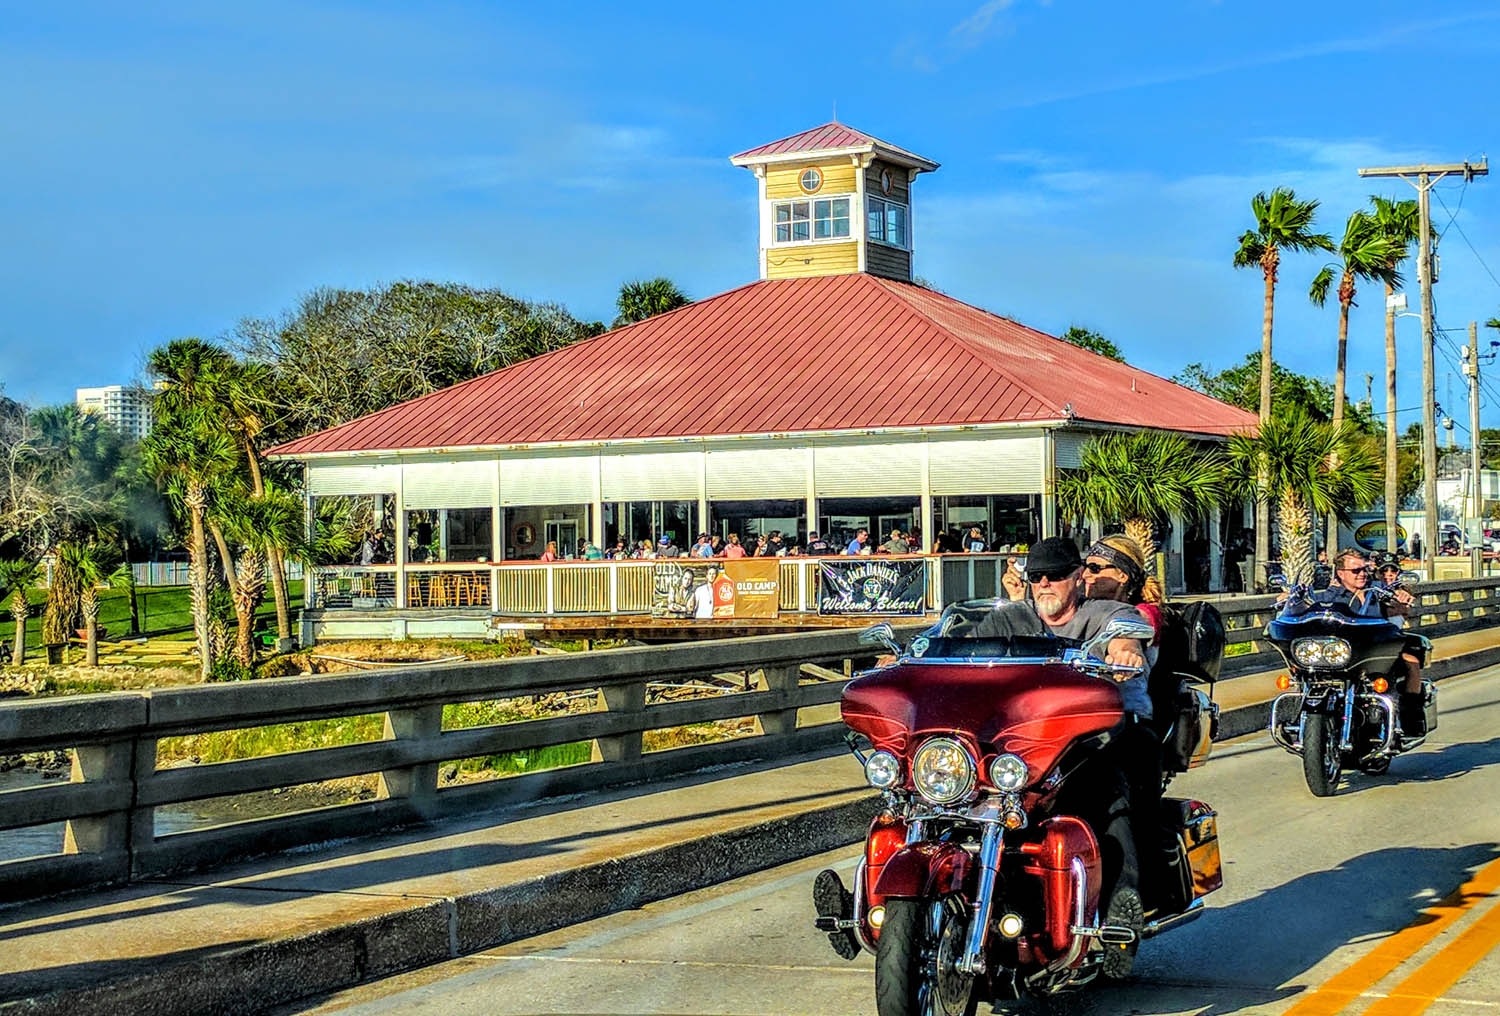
(1426, 985)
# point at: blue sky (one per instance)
(169, 168)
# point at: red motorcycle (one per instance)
(975, 884)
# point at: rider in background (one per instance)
(1413, 719)
(1351, 590)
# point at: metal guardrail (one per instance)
(116, 787)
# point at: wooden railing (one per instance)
(520, 589)
(784, 684)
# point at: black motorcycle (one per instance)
(1344, 715)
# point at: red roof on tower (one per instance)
(829, 353)
(832, 136)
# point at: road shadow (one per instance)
(1242, 954)
(1446, 763)
(40, 981)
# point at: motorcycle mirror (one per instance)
(1278, 581)
(1121, 628)
(881, 634)
(1409, 576)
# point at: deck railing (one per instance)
(532, 588)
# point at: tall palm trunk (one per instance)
(1141, 531)
(135, 612)
(90, 604)
(243, 619)
(247, 593)
(1346, 286)
(1268, 262)
(196, 501)
(1391, 507)
(277, 562)
(19, 611)
(1295, 527)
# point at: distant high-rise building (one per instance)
(126, 407)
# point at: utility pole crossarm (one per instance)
(1468, 170)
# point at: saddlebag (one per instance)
(1189, 739)
(1198, 869)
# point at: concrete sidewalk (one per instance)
(248, 937)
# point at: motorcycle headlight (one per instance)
(943, 771)
(1325, 651)
(1008, 772)
(883, 770)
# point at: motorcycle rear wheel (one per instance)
(1320, 756)
(913, 962)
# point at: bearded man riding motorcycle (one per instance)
(1101, 796)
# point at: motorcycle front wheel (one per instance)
(1320, 755)
(915, 962)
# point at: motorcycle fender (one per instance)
(925, 871)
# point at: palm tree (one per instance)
(88, 562)
(1304, 467)
(1399, 222)
(1137, 478)
(15, 578)
(1282, 222)
(640, 300)
(188, 450)
(1365, 252)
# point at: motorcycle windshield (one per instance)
(1302, 616)
(1032, 707)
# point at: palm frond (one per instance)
(1321, 283)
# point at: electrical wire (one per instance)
(1453, 222)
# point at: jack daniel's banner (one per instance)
(862, 585)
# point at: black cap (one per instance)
(1054, 554)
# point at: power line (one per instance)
(1453, 222)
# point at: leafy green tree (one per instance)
(190, 451)
(641, 300)
(1139, 478)
(1304, 467)
(1365, 252)
(1282, 222)
(16, 576)
(1092, 341)
(1239, 385)
(342, 353)
(1400, 223)
(91, 565)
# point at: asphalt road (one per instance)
(1384, 900)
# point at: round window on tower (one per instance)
(811, 180)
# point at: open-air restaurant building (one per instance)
(830, 395)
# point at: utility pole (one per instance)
(1423, 177)
(1472, 359)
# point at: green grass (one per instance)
(161, 608)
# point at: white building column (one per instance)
(596, 506)
(926, 521)
(1215, 551)
(1173, 580)
(812, 492)
(1049, 484)
(703, 507)
(400, 549)
(497, 520)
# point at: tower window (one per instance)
(823, 219)
(886, 222)
(811, 180)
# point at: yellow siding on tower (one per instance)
(781, 181)
(812, 259)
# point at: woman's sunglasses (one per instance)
(1094, 567)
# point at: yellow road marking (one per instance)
(1344, 987)
(1424, 987)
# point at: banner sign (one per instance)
(713, 588)
(749, 587)
(1371, 535)
(865, 586)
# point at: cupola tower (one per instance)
(834, 201)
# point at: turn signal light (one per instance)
(1283, 681)
(1380, 684)
(877, 916)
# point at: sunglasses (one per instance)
(1358, 571)
(1050, 574)
(1094, 567)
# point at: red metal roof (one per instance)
(830, 353)
(832, 135)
